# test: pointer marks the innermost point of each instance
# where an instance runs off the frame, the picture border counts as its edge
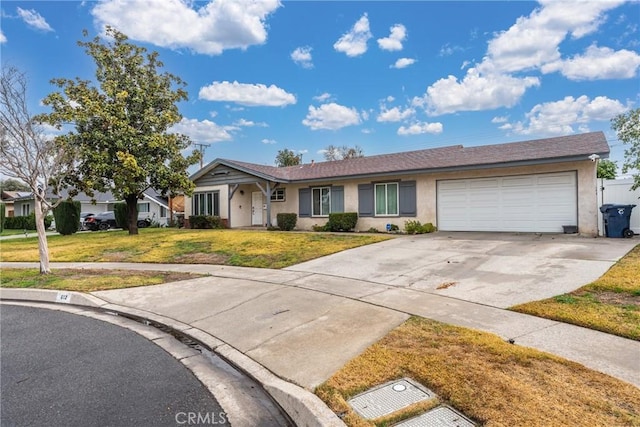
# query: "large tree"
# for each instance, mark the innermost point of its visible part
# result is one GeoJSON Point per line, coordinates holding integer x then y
{"type": "Point", "coordinates": [122, 127]}
{"type": "Point", "coordinates": [11, 184]}
{"type": "Point", "coordinates": [333, 152]}
{"type": "Point", "coordinates": [607, 169]}
{"type": "Point", "coordinates": [28, 154]}
{"type": "Point", "coordinates": [287, 157]}
{"type": "Point", "coordinates": [627, 126]}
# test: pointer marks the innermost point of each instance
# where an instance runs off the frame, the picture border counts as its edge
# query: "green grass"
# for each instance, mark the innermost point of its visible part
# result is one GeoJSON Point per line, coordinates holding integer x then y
{"type": "Point", "coordinates": [7, 232]}
{"type": "Point", "coordinates": [610, 304]}
{"type": "Point", "coordinates": [86, 280]}
{"type": "Point", "coordinates": [247, 248]}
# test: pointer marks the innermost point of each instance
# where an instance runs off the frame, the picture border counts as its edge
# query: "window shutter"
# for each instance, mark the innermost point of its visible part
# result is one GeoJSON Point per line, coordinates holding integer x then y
{"type": "Point", "coordinates": [337, 199]}
{"type": "Point", "coordinates": [304, 202]}
{"type": "Point", "coordinates": [407, 198]}
{"type": "Point", "coordinates": [365, 200]}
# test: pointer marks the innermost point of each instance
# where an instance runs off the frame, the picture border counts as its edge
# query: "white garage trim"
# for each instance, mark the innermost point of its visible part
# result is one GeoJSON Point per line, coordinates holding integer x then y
{"type": "Point", "coordinates": [528, 203]}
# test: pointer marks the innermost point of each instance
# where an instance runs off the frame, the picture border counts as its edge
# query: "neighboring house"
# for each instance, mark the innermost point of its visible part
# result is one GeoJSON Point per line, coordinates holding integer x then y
{"type": "Point", "coordinates": [530, 186]}
{"type": "Point", "coordinates": [8, 198]}
{"type": "Point", "coordinates": [153, 205]}
{"type": "Point", "coordinates": [618, 192]}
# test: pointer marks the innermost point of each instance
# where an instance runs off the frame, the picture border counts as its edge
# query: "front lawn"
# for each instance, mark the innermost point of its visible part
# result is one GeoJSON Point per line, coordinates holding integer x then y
{"type": "Point", "coordinates": [246, 248]}
{"type": "Point", "coordinates": [489, 380]}
{"type": "Point", "coordinates": [610, 304]}
{"type": "Point", "coordinates": [87, 280]}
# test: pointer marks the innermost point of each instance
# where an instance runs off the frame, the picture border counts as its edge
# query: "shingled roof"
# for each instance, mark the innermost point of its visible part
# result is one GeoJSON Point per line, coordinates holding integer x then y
{"type": "Point", "coordinates": [564, 148]}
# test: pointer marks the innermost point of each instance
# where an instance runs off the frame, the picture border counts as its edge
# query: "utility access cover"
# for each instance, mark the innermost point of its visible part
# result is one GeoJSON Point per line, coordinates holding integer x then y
{"type": "Point", "coordinates": [389, 398]}
{"type": "Point", "coordinates": [442, 416]}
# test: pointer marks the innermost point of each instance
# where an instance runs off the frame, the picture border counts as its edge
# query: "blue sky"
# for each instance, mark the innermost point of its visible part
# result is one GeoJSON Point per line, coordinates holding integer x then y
{"type": "Point", "coordinates": [387, 76]}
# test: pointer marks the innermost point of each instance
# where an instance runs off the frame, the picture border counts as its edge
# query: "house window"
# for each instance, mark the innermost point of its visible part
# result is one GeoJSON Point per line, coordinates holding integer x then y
{"type": "Point", "coordinates": [163, 212]}
{"type": "Point", "coordinates": [386, 199]}
{"type": "Point", "coordinates": [143, 207]}
{"type": "Point", "coordinates": [321, 201]}
{"type": "Point", "coordinates": [278, 195]}
{"type": "Point", "coordinates": [26, 209]}
{"type": "Point", "coordinates": [206, 203]}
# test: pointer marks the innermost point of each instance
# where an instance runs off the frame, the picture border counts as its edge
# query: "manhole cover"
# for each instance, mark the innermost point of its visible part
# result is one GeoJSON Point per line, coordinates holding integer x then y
{"type": "Point", "coordinates": [388, 398]}
{"type": "Point", "coordinates": [442, 416]}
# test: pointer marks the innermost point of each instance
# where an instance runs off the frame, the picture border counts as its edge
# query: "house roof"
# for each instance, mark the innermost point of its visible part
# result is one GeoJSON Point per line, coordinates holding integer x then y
{"type": "Point", "coordinates": [548, 150]}
{"type": "Point", "coordinates": [99, 197]}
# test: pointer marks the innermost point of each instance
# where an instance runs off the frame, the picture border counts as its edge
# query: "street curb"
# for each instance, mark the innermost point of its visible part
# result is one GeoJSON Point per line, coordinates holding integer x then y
{"type": "Point", "coordinates": [303, 407]}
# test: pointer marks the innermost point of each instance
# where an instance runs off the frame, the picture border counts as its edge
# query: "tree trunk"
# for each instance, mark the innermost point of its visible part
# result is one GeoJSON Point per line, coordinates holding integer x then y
{"type": "Point", "coordinates": [132, 213]}
{"type": "Point", "coordinates": [43, 247]}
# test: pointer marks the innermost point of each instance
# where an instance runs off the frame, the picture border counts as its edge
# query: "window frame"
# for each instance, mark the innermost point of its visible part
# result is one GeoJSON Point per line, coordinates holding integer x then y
{"type": "Point", "coordinates": [147, 204]}
{"type": "Point", "coordinates": [205, 203]}
{"type": "Point", "coordinates": [386, 195]}
{"type": "Point", "coordinates": [279, 195]}
{"type": "Point", "coordinates": [319, 190]}
{"type": "Point", "coordinates": [25, 209]}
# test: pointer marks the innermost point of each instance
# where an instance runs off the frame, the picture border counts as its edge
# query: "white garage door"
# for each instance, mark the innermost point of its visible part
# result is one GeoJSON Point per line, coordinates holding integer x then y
{"type": "Point", "coordinates": [531, 203]}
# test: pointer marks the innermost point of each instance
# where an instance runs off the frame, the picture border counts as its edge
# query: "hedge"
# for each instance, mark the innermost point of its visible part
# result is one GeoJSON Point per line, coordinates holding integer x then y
{"type": "Point", "coordinates": [67, 215]}
{"type": "Point", "coordinates": [345, 221]}
{"type": "Point", "coordinates": [120, 211]}
{"type": "Point", "coordinates": [206, 221]}
{"type": "Point", "coordinates": [25, 222]}
{"type": "Point", "coordinates": [2, 213]}
{"type": "Point", "coordinates": [287, 221]}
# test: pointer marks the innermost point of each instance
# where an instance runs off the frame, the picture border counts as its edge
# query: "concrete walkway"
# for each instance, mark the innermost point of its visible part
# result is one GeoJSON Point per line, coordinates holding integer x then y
{"type": "Point", "coordinates": [304, 326]}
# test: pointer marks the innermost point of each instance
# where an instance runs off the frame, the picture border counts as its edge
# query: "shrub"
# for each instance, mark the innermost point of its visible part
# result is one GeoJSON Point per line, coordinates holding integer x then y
{"type": "Point", "coordinates": [206, 222]}
{"type": "Point", "coordinates": [414, 227]}
{"type": "Point", "coordinates": [287, 221]}
{"type": "Point", "coordinates": [345, 221]}
{"type": "Point", "coordinates": [2, 213]}
{"type": "Point", "coordinates": [121, 213]}
{"type": "Point", "coordinates": [26, 222]}
{"type": "Point", "coordinates": [67, 216]}
{"type": "Point", "coordinates": [319, 228]}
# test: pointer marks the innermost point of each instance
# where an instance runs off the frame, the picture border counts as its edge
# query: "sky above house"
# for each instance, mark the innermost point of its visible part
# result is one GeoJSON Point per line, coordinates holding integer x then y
{"type": "Point", "coordinates": [388, 76]}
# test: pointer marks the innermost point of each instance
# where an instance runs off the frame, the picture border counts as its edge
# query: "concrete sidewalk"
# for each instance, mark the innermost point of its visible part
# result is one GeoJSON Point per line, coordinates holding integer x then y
{"type": "Point", "coordinates": [304, 326]}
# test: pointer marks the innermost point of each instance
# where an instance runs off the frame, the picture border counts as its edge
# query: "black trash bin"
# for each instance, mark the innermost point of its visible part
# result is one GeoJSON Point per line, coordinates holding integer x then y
{"type": "Point", "coordinates": [617, 220]}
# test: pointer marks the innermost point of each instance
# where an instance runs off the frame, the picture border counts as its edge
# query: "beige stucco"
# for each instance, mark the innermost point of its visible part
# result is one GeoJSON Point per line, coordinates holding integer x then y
{"type": "Point", "coordinates": [425, 196]}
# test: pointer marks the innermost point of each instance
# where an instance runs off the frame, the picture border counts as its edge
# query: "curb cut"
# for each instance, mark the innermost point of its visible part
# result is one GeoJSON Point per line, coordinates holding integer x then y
{"type": "Point", "coordinates": [302, 406]}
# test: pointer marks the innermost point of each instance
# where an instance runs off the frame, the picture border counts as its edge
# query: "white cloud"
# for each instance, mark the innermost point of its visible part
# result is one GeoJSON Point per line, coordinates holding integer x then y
{"type": "Point", "coordinates": [248, 123]}
{"type": "Point", "coordinates": [500, 119]}
{"type": "Point", "coordinates": [202, 131]}
{"type": "Point", "coordinates": [390, 98]}
{"type": "Point", "coordinates": [354, 42]}
{"type": "Point", "coordinates": [403, 63]}
{"type": "Point", "coordinates": [395, 39]}
{"type": "Point", "coordinates": [247, 94]}
{"type": "Point", "coordinates": [367, 131]}
{"type": "Point", "coordinates": [34, 19]}
{"type": "Point", "coordinates": [395, 114]}
{"type": "Point", "coordinates": [534, 40]}
{"type": "Point", "coordinates": [597, 63]}
{"type": "Point", "coordinates": [475, 92]}
{"type": "Point", "coordinates": [210, 29]}
{"type": "Point", "coordinates": [322, 98]}
{"type": "Point", "coordinates": [302, 56]}
{"type": "Point", "coordinates": [269, 141]}
{"type": "Point", "coordinates": [420, 128]}
{"type": "Point", "coordinates": [3, 38]}
{"type": "Point", "coordinates": [331, 116]}
{"type": "Point", "coordinates": [561, 117]}
{"type": "Point", "coordinates": [448, 50]}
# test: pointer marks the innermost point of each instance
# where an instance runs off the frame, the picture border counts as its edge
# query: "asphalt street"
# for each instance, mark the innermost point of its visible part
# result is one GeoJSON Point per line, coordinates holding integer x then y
{"type": "Point", "coordinates": [59, 369]}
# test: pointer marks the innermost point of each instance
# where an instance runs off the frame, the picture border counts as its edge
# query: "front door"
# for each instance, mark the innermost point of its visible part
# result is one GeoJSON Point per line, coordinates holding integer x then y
{"type": "Point", "coordinates": [256, 208]}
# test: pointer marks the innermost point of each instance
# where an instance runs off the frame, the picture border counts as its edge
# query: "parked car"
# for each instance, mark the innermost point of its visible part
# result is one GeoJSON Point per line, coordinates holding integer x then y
{"type": "Point", "coordinates": [101, 221]}
{"type": "Point", "coordinates": [83, 220]}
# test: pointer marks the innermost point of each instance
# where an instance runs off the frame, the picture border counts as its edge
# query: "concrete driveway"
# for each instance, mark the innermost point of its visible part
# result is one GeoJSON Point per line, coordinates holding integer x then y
{"type": "Point", "coordinates": [495, 269]}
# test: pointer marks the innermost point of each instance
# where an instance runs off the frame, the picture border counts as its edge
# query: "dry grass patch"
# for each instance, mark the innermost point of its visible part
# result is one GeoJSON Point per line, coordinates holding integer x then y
{"type": "Point", "coordinates": [492, 382]}
{"type": "Point", "coordinates": [247, 248]}
{"type": "Point", "coordinates": [87, 280]}
{"type": "Point", "coordinates": [610, 304]}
